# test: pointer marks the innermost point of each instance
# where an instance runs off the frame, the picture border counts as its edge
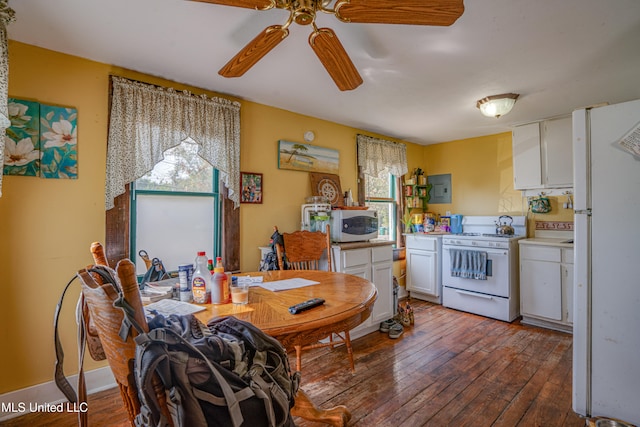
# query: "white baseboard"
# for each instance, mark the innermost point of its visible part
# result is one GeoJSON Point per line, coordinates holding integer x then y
{"type": "Point", "coordinates": [20, 402]}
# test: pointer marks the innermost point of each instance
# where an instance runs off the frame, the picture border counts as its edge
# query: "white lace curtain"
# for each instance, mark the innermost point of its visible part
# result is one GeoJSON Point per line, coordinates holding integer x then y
{"type": "Point", "coordinates": [377, 155]}
{"type": "Point", "coordinates": [147, 120]}
{"type": "Point", "coordinates": [7, 15]}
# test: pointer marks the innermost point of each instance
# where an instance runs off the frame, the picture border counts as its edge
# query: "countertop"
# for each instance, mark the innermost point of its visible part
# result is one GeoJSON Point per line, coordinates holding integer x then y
{"type": "Point", "coordinates": [365, 244]}
{"type": "Point", "coordinates": [428, 234]}
{"type": "Point", "coordinates": [547, 241]}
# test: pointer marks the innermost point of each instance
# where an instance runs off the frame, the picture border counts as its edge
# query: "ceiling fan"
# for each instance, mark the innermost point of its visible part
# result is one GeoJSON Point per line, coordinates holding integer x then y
{"type": "Point", "coordinates": [324, 41]}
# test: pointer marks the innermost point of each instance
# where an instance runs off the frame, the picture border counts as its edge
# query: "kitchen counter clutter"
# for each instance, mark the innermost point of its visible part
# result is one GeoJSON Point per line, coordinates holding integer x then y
{"type": "Point", "coordinates": [546, 282]}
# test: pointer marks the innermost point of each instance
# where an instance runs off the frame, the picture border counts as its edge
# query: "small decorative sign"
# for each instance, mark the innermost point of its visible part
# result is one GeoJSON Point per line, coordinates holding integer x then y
{"type": "Point", "coordinates": [631, 141]}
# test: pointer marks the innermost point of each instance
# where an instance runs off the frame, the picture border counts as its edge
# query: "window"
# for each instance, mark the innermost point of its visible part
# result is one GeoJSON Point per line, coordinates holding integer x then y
{"type": "Point", "coordinates": [175, 209]}
{"type": "Point", "coordinates": [380, 196]}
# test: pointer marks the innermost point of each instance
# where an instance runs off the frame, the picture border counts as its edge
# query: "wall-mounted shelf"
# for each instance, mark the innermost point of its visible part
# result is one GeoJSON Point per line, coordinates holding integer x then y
{"type": "Point", "coordinates": [416, 196]}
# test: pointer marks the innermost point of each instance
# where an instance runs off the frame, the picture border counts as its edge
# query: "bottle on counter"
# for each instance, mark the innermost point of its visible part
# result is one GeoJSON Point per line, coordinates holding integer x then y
{"type": "Point", "coordinates": [219, 284]}
{"type": "Point", "coordinates": [201, 280]}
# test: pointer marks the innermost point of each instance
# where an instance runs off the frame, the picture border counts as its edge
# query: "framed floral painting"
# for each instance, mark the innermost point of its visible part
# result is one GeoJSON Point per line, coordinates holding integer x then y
{"type": "Point", "coordinates": [41, 141]}
{"type": "Point", "coordinates": [58, 142]}
{"type": "Point", "coordinates": [22, 139]}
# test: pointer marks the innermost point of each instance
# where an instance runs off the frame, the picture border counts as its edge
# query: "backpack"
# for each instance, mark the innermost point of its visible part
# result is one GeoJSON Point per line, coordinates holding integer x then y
{"type": "Point", "coordinates": [270, 260]}
{"type": "Point", "coordinates": [226, 373]}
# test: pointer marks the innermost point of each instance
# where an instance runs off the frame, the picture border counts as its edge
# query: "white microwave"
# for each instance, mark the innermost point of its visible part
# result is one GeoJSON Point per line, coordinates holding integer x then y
{"type": "Point", "coordinates": [351, 225]}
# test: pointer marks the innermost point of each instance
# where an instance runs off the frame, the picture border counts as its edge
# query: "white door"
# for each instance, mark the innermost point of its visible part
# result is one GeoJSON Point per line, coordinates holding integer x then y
{"type": "Point", "coordinates": [526, 157]}
{"type": "Point", "coordinates": [422, 271]}
{"type": "Point", "coordinates": [615, 245]}
{"type": "Point", "coordinates": [540, 289]}
{"type": "Point", "coordinates": [382, 278]}
{"type": "Point", "coordinates": [558, 152]}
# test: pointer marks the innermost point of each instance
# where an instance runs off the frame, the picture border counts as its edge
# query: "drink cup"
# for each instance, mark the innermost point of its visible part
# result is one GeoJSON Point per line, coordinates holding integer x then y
{"type": "Point", "coordinates": [240, 292]}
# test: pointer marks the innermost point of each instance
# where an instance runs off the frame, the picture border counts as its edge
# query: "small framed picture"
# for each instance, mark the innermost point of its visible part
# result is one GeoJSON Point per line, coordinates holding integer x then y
{"type": "Point", "coordinates": [251, 187]}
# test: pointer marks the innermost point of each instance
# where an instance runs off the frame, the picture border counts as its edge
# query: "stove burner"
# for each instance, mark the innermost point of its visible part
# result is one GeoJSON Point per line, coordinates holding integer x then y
{"type": "Point", "coordinates": [506, 236]}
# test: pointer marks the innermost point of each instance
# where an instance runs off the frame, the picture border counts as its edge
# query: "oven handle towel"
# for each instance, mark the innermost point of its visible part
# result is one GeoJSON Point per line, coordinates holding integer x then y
{"type": "Point", "coordinates": [468, 264]}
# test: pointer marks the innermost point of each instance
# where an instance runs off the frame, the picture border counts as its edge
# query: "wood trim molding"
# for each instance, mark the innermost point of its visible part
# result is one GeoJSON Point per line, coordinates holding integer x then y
{"type": "Point", "coordinates": [117, 229]}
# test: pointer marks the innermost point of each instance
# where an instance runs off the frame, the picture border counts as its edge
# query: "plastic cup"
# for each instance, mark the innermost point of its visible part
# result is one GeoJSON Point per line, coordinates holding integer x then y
{"type": "Point", "coordinates": [240, 293]}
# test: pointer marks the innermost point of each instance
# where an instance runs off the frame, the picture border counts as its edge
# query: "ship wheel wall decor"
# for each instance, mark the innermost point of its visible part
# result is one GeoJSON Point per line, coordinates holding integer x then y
{"type": "Point", "coordinates": [328, 186]}
{"type": "Point", "coordinates": [324, 41]}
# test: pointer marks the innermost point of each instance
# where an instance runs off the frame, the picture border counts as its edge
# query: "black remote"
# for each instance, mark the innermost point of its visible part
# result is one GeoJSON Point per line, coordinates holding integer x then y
{"type": "Point", "coordinates": [313, 302]}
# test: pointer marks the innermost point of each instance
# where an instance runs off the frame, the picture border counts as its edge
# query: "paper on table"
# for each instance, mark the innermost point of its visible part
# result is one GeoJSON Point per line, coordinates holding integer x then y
{"type": "Point", "coordinates": [283, 285]}
{"type": "Point", "coordinates": [170, 306]}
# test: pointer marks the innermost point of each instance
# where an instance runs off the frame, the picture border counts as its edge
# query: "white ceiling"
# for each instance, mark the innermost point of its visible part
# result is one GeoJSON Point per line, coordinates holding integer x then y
{"type": "Point", "coordinates": [420, 83]}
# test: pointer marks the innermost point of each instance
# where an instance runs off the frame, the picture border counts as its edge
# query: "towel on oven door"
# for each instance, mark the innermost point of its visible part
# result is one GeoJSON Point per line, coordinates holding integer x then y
{"type": "Point", "coordinates": [468, 264]}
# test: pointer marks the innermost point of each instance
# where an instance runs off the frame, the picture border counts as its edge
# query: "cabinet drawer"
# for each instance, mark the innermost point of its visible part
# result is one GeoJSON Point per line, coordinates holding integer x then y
{"type": "Point", "coordinates": [424, 243]}
{"type": "Point", "coordinates": [484, 305]}
{"type": "Point", "coordinates": [567, 256]}
{"type": "Point", "coordinates": [382, 253]}
{"type": "Point", "coordinates": [540, 253]}
{"type": "Point", "coordinates": [356, 257]}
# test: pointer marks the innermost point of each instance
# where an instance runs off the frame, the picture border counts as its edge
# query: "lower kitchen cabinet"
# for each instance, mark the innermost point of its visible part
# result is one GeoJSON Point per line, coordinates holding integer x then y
{"type": "Point", "coordinates": [546, 286]}
{"type": "Point", "coordinates": [374, 262]}
{"type": "Point", "coordinates": [424, 276]}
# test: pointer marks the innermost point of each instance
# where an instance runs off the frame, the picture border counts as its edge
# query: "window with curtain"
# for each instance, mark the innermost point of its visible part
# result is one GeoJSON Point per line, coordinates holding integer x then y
{"type": "Point", "coordinates": [145, 122]}
{"type": "Point", "coordinates": [381, 164]}
{"type": "Point", "coordinates": [179, 197]}
{"type": "Point", "coordinates": [380, 195]}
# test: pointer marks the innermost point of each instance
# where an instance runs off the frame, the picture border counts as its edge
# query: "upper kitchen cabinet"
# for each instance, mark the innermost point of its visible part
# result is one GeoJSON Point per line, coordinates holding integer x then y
{"type": "Point", "coordinates": [542, 155]}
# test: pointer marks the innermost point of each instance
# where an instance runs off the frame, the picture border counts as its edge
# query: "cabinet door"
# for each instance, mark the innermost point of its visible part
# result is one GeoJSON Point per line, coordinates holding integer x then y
{"type": "Point", "coordinates": [382, 278]}
{"type": "Point", "coordinates": [567, 290]}
{"type": "Point", "coordinates": [527, 157]}
{"type": "Point", "coordinates": [540, 289]}
{"type": "Point", "coordinates": [422, 271]}
{"type": "Point", "coordinates": [363, 271]}
{"type": "Point", "coordinates": [558, 149]}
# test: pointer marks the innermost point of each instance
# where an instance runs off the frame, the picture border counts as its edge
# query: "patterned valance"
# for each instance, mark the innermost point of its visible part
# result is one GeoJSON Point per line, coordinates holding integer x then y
{"type": "Point", "coordinates": [147, 120]}
{"type": "Point", "coordinates": [7, 15]}
{"type": "Point", "coordinates": [377, 155]}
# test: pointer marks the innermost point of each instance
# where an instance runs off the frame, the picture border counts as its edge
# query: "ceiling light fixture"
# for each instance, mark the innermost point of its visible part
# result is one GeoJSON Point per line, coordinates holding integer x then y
{"type": "Point", "coordinates": [497, 105]}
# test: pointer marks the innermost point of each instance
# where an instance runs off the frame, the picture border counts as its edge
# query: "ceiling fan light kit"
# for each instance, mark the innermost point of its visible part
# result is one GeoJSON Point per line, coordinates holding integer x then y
{"type": "Point", "coordinates": [497, 105]}
{"type": "Point", "coordinates": [324, 41]}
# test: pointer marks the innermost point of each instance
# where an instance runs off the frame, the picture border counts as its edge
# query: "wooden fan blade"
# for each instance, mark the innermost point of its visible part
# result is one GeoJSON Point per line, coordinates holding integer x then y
{"type": "Point", "coordinates": [249, 4]}
{"type": "Point", "coordinates": [329, 50]}
{"type": "Point", "coordinates": [411, 12]}
{"type": "Point", "coordinates": [264, 42]}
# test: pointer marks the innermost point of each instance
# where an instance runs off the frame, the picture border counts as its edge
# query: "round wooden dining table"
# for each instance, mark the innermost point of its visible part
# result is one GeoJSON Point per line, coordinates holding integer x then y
{"type": "Point", "coordinates": [348, 302]}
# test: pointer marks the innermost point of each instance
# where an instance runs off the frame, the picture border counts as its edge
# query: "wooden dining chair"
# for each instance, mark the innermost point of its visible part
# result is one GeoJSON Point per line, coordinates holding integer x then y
{"type": "Point", "coordinates": [107, 319]}
{"type": "Point", "coordinates": [303, 250]}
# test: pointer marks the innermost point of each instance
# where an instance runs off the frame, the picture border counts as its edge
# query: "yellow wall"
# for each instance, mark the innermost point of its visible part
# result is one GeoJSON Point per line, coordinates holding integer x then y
{"type": "Point", "coordinates": [47, 226]}
{"type": "Point", "coordinates": [481, 175]}
{"type": "Point", "coordinates": [481, 171]}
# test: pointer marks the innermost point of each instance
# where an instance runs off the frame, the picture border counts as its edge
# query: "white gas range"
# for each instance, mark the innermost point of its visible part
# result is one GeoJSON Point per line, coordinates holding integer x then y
{"type": "Point", "coordinates": [480, 267]}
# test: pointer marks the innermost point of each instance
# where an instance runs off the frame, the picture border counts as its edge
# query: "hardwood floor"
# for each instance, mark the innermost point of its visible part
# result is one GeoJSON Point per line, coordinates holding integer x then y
{"type": "Point", "coordinates": [450, 368]}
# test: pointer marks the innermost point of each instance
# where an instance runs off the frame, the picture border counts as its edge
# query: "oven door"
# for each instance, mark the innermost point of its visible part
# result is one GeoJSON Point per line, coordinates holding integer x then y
{"type": "Point", "coordinates": [497, 282]}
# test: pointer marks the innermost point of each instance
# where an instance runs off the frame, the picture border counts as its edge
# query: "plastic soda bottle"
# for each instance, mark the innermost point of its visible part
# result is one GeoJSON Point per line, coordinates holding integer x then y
{"type": "Point", "coordinates": [201, 280]}
{"type": "Point", "coordinates": [219, 286]}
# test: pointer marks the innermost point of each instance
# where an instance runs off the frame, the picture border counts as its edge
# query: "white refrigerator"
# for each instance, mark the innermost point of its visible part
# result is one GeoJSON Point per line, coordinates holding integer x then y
{"type": "Point", "coordinates": [606, 328]}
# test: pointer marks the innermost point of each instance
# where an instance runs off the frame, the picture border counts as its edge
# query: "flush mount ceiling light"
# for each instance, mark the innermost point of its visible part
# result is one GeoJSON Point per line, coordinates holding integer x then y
{"type": "Point", "coordinates": [497, 105]}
